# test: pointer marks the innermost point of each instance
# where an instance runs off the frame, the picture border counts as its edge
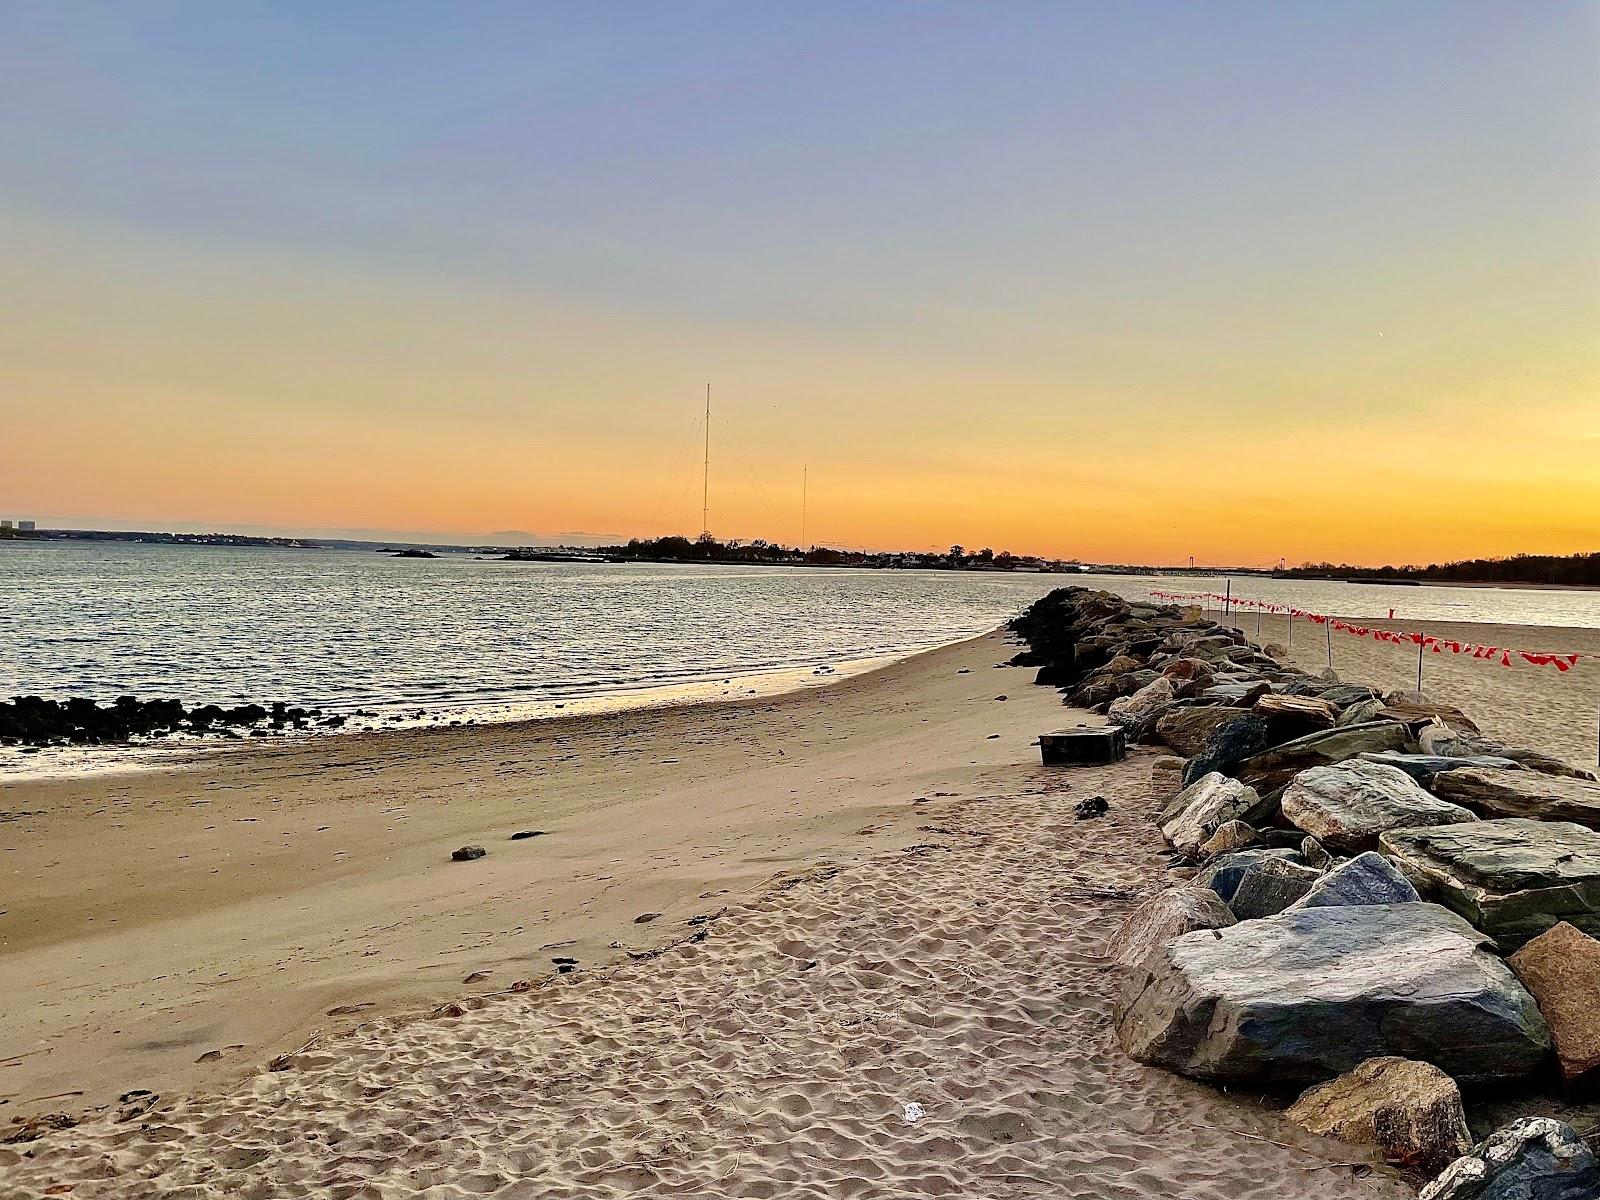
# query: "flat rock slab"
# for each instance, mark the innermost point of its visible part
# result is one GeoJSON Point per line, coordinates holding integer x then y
{"type": "Point", "coordinates": [1425, 768]}
{"type": "Point", "coordinates": [1187, 729]}
{"type": "Point", "coordinates": [1561, 970]}
{"type": "Point", "coordinates": [1417, 713]}
{"type": "Point", "coordinates": [1310, 994]}
{"type": "Point", "coordinates": [1274, 768]}
{"type": "Point", "coordinates": [1519, 793]}
{"type": "Point", "coordinates": [1224, 873]}
{"type": "Point", "coordinates": [1270, 886]}
{"type": "Point", "coordinates": [1347, 805]}
{"type": "Point", "coordinates": [1512, 878]}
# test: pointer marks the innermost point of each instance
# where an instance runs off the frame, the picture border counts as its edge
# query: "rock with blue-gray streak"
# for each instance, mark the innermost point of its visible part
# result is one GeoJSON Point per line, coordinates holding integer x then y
{"type": "Point", "coordinates": [1307, 995]}
{"type": "Point", "coordinates": [1368, 878]}
{"type": "Point", "coordinates": [1534, 1158]}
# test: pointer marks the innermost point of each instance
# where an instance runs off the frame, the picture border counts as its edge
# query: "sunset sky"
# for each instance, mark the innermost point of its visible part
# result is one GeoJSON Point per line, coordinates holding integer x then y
{"type": "Point", "coordinates": [1121, 281]}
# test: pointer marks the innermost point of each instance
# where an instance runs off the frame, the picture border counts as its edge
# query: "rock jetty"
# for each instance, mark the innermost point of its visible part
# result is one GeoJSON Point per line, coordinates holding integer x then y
{"type": "Point", "coordinates": [1353, 870]}
{"type": "Point", "coordinates": [35, 721]}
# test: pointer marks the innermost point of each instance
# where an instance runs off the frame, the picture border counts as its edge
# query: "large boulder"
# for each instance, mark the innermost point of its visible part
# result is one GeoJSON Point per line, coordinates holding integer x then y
{"type": "Point", "coordinates": [1188, 729]}
{"type": "Point", "coordinates": [1410, 1110]}
{"type": "Point", "coordinates": [1534, 1158]}
{"type": "Point", "coordinates": [1346, 806]}
{"type": "Point", "coordinates": [1520, 793]}
{"type": "Point", "coordinates": [1415, 709]}
{"type": "Point", "coordinates": [1166, 915]}
{"type": "Point", "coordinates": [1270, 886]}
{"type": "Point", "coordinates": [1362, 712]}
{"type": "Point", "coordinates": [1368, 878]}
{"type": "Point", "coordinates": [1307, 995]}
{"type": "Point", "coordinates": [1561, 970]}
{"type": "Point", "coordinates": [1203, 807]}
{"type": "Point", "coordinates": [1224, 873]}
{"type": "Point", "coordinates": [1230, 836]}
{"type": "Point", "coordinates": [1229, 745]}
{"type": "Point", "coordinates": [1440, 739]}
{"type": "Point", "coordinates": [1512, 878]}
{"type": "Point", "coordinates": [1274, 768]}
{"type": "Point", "coordinates": [1138, 713]}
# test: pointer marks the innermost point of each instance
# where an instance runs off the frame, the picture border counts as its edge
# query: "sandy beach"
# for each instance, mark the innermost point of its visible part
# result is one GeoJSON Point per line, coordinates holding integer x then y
{"type": "Point", "coordinates": [869, 900]}
{"type": "Point", "coordinates": [791, 917]}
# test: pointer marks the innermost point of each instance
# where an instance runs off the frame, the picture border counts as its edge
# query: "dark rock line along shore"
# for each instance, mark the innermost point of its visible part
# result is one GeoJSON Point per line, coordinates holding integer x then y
{"type": "Point", "coordinates": [1372, 899]}
{"type": "Point", "coordinates": [34, 721]}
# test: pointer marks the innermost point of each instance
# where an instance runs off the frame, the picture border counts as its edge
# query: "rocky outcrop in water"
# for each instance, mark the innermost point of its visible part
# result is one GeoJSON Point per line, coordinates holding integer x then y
{"type": "Point", "coordinates": [34, 721]}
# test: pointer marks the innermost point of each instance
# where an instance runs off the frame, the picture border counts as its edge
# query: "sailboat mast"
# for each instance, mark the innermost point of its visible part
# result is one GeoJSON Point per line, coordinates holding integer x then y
{"type": "Point", "coordinates": [705, 478]}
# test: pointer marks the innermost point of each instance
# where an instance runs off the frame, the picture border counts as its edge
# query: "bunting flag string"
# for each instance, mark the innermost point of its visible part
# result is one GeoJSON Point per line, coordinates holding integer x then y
{"type": "Point", "coordinates": [1505, 655]}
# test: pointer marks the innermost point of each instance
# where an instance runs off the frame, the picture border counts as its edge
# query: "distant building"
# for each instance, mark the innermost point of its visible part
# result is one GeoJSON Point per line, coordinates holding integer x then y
{"type": "Point", "coordinates": [26, 526]}
{"type": "Point", "coordinates": [5, 524]}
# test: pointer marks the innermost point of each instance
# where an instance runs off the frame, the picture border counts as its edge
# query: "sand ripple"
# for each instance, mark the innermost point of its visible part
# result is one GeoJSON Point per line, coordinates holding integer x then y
{"type": "Point", "coordinates": [776, 1057]}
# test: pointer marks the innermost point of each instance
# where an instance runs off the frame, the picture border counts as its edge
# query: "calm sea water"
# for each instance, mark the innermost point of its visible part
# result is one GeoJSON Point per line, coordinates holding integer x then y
{"type": "Point", "coordinates": [459, 638]}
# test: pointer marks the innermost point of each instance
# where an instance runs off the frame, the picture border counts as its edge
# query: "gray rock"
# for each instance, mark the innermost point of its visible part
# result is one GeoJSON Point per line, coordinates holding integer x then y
{"type": "Point", "coordinates": [1236, 695]}
{"type": "Point", "coordinates": [1139, 712]}
{"type": "Point", "coordinates": [1275, 767]}
{"type": "Point", "coordinates": [1270, 886]}
{"type": "Point", "coordinates": [1315, 853]}
{"type": "Point", "coordinates": [1438, 739]}
{"type": "Point", "coordinates": [1228, 746]}
{"type": "Point", "coordinates": [1513, 878]}
{"type": "Point", "coordinates": [1230, 836]}
{"type": "Point", "coordinates": [1534, 1158]}
{"type": "Point", "coordinates": [1347, 805]}
{"type": "Point", "coordinates": [1362, 712]}
{"type": "Point", "coordinates": [1187, 730]}
{"type": "Point", "coordinates": [468, 853]}
{"type": "Point", "coordinates": [1166, 915]}
{"type": "Point", "coordinates": [1425, 768]}
{"type": "Point", "coordinates": [1307, 995]}
{"type": "Point", "coordinates": [1518, 793]}
{"type": "Point", "coordinates": [1367, 878]}
{"type": "Point", "coordinates": [1223, 873]}
{"type": "Point", "coordinates": [1203, 807]}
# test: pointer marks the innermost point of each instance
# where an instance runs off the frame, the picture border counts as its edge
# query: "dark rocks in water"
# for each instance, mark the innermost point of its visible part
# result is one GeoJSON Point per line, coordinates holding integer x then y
{"type": "Point", "coordinates": [1513, 878]}
{"type": "Point", "coordinates": [1368, 878]}
{"type": "Point", "coordinates": [413, 554]}
{"type": "Point", "coordinates": [1534, 1158]}
{"type": "Point", "coordinates": [1090, 808]}
{"type": "Point", "coordinates": [467, 853]}
{"type": "Point", "coordinates": [35, 721]}
{"type": "Point", "coordinates": [1306, 995]}
{"type": "Point", "coordinates": [523, 834]}
{"type": "Point", "coordinates": [1270, 886]}
{"type": "Point", "coordinates": [1347, 805]}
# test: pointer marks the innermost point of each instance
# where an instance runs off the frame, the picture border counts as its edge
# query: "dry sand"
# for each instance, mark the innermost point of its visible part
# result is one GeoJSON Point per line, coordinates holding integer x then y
{"type": "Point", "coordinates": [1557, 712]}
{"type": "Point", "coordinates": [933, 937]}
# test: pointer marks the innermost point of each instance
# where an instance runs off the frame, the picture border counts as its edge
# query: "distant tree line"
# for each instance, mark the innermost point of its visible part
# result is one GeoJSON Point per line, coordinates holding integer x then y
{"type": "Point", "coordinates": [1572, 570]}
{"type": "Point", "coordinates": [707, 548]}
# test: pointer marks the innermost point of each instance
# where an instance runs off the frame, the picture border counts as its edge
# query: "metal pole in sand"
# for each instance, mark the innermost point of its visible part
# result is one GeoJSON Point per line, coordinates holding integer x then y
{"type": "Point", "coordinates": [1419, 666]}
{"type": "Point", "coordinates": [1227, 599]}
{"type": "Point", "coordinates": [1258, 625]}
{"type": "Point", "coordinates": [1329, 623]}
{"type": "Point", "coordinates": [1290, 619]}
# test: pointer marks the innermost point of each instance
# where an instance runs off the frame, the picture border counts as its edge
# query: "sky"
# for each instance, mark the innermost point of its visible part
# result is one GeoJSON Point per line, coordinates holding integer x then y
{"type": "Point", "coordinates": [1122, 282]}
